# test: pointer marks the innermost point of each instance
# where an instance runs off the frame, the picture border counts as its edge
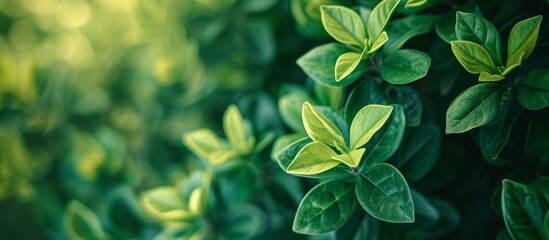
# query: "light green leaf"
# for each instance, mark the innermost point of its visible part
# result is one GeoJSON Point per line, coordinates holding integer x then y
{"type": "Point", "coordinates": [351, 159]}
{"type": "Point", "coordinates": [404, 66]}
{"type": "Point", "coordinates": [346, 64]}
{"type": "Point", "coordinates": [473, 57]}
{"type": "Point", "coordinates": [474, 107]}
{"type": "Point", "coordinates": [235, 130]}
{"type": "Point", "coordinates": [165, 204]}
{"type": "Point", "coordinates": [319, 128]}
{"type": "Point", "coordinates": [533, 90]}
{"type": "Point", "coordinates": [378, 43]}
{"type": "Point", "coordinates": [367, 122]}
{"type": "Point", "coordinates": [343, 24]}
{"type": "Point", "coordinates": [287, 154]}
{"type": "Point", "coordinates": [488, 77]}
{"type": "Point", "coordinates": [523, 211]}
{"type": "Point", "coordinates": [81, 223]}
{"type": "Point", "coordinates": [328, 96]}
{"type": "Point", "coordinates": [325, 208]}
{"type": "Point", "coordinates": [414, 3]}
{"type": "Point", "coordinates": [319, 64]}
{"type": "Point", "coordinates": [470, 27]}
{"type": "Point", "coordinates": [207, 145]}
{"type": "Point", "coordinates": [402, 30]}
{"type": "Point", "coordinates": [367, 92]}
{"type": "Point", "coordinates": [522, 40]}
{"type": "Point", "coordinates": [387, 140]}
{"type": "Point", "coordinates": [379, 17]}
{"type": "Point", "coordinates": [313, 158]}
{"type": "Point", "coordinates": [383, 192]}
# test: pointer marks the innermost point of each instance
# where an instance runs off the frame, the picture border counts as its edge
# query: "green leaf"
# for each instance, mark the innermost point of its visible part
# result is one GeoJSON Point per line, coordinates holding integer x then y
{"type": "Point", "coordinates": [523, 211]}
{"type": "Point", "coordinates": [383, 38]}
{"type": "Point", "coordinates": [404, 66]}
{"type": "Point", "coordinates": [328, 96]}
{"type": "Point", "coordinates": [533, 90]}
{"type": "Point", "coordinates": [546, 223]}
{"type": "Point", "coordinates": [537, 140]}
{"type": "Point", "coordinates": [402, 30]}
{"type": "Point", "coordinates": [346, 64]}
{"type": "Point", "coordinates": [325, 208]}
{"type": "Point", "coordinates": [379, 17]}
{"type": "Point", "coordinates": [81, 223]}
{"type": "Point", "coordinates": [488, 77]}
{"type": "Point", "coordinates": [522, 40]}
{"type": "Point", "coordinates": [473, 57]}
{"type": "Point", "coordinates": [207, 145]}
{"type": "Point", "coordinates": [337, 119]}
{"type": "Point", "coordinates": [319, 128]}
{"type": "Point", "coordinates": [474, 107]}
{"type": "Point", "coordinates": [471, 27]}
{"type": "Point", "coordinates": [242, 222]}
{"type": "Point", "coordinates": [289, 107]}
{"type": "Point", "coordinates": [319, 64]}
{"type": "Point", "coordinates": [383, 192]}
{"type": "Point", "coordinates": [493, 136]}
{"type": "Point", "coordinates": [165, 204]}
{"type": "Point", "coordinates": [367, 122]}
{"type": "Point", "coordinates": [419, 152]}
{"type": "Point", "coordinates": [313, 158]}
{"type": "Point", "coordinates": [367, 92]}
{"type": "Point", "coordinates": [351, 159]}
{"type": "Point", "coordinates": [415, 3]}
{"type": "Point", "coordinates": [286, 155]}
{"type": "Point", "coordinates": [387, 140]}
{"type": "Point", "coordinates": [343, 24]}
{"type": "Point", "coordinates": [410, 100]}
{"type": "Point", "coordinates": [235, 130]}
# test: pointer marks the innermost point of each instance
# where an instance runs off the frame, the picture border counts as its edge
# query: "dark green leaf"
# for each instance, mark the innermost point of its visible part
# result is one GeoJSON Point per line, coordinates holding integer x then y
{"type": "Point", "coordinates": [533, 90]}
{"type": "Point", "coordinates": [242, 222]}
{"type": "Point", "coordinates": [471, 27]}
{"type": "Point", "coordinates": [287, 154]}
{"type": "Point", "coordinates": [81, 223]}
{"type": "Point", "coordinates": [474, 107]}
{"type": "Point", "coordinates": [419, 152]}
{"type": "Point", "coordinates": [383, 192]}
{"type": "Point", "coordinates": [410, 100]}
{"type": "Point", "coordinates": [325, 208]}
{"type": "Point", "coordinates": [404, 29]}
{"type": "Point", "coordinates": [367, 92]}
{"type": "Point", "coordinates": [537, 141]}
{"type": "Point", "coordinates": [494, 135]}
{"type": "Point", "coordinates": [404, 66]}
{"type": "Point", "coordinates": [523, 211]}
{"type": "Point", "coordinates": [319, 64]}
{"type": "Point", "coordinates": [328, 96]}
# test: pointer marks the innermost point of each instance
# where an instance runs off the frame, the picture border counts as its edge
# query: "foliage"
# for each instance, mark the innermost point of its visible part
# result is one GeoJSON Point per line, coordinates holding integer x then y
{"type": "Point", "coordinates": [274, 119]}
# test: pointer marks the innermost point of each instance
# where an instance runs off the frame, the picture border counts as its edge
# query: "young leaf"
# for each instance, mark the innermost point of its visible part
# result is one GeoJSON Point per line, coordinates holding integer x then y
{"type": "Point", "coordinates": [387, 140]}
{"type": "Point", "coordinates": [471, 27]}
{"type": "Point", "coordinates": [351, 159]}
{"type": "Point", "coordinates": [346, 64]}
{"type": "Point", "coordinates": [474, 107]}
{"type": "Point", "coordinates": [207, 145]}
{"type": "Point", "coordinates": [286, 155]}
{"type": "Point", "coordinates": [493, 136]}
{"type": "Point", "coordinates": [81, 223]}
{"type": "Point", "coordinates": [383, 38]}
{"type": "Point", "coordinates": [522, 40]}
{"type": "Point", "coordinates": [165, 204]}
{"type": "Point", "coordinates": [337, 119]}
{"type": "Point", "coordinates": [235, 130]}
{"type": "Point", "coordinates": [367, 122]}
{"type": "Point", "coordinates": [319, 64]}
{"type": "Point", "coordinates": [414, 3]}
{"type": "Point", "coordinates": [523, 211]}
{"type": "Point", "coordinates": [313, 158]}
{"type": "Point", "coordinates": [325, 208]}
{"type": "Point", "coordinates": [533, 90]}
{"type": "Point", "coordinates": [473, 57]}
{"type": "Point", "coordinates": [343, 24]}
{"type": "Point", "coordinates": [379, 17]}
{"type": "Point", "coordinates": [319, 128]}
{"type": "Point", "coordinates": [404, 66]}
{"type": "Point", "coordinates": [383, 192]}
{"type": "Point", "coordinates": [488, 77]}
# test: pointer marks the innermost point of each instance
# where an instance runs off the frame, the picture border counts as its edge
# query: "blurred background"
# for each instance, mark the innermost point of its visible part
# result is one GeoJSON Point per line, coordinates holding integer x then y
{"type": "Point", "coordinates": [95, 94]}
